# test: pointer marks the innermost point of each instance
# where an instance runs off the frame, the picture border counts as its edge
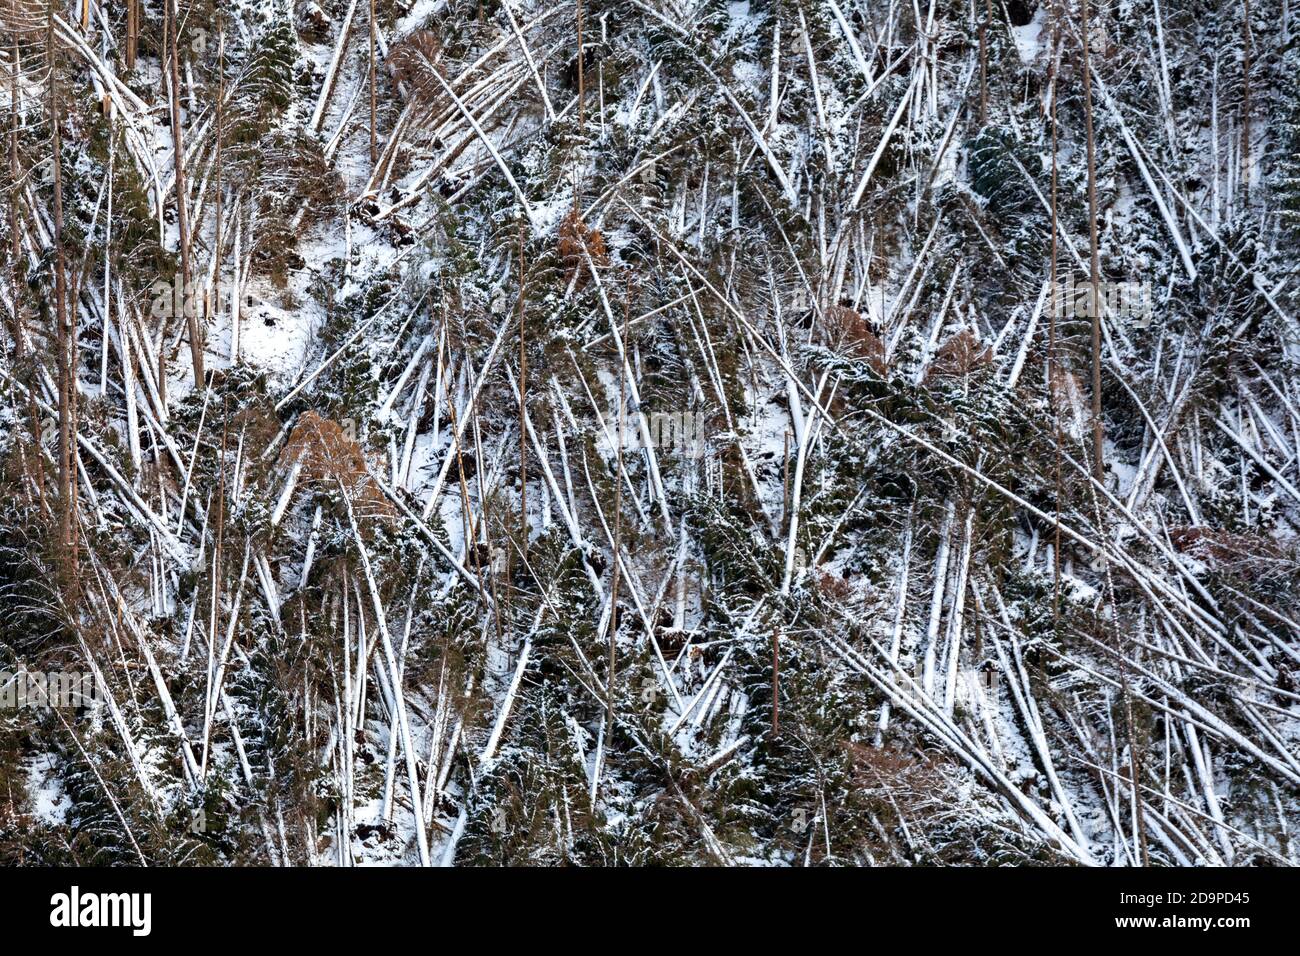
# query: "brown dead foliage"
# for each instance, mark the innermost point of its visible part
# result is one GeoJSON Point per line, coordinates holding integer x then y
{"type": "Point", "coordinates": [23, 20]}
{"type": "Point", "coordinates": [847, 330]}
{"type": "Point", "coordinates": [887, 764]}
{"type": "Point", "coordinates": [301, 191]}
{"type": "Point", "coordinates": [413, 61]}
{"type": "Point", "coordinates": [1224, 547]}
{"type": "Point", "coordinates": [257, 423]}
{"type": "Point", "coordinates": [912, 783]}
{"type": "Point", "coordinates": [959, 356]}
{"type": "Point", "coordinates": [331, 459]}
{"type": "Point", "coordinates": [834, 586]}
{"type": "Point", "coordinates": [574, 238]}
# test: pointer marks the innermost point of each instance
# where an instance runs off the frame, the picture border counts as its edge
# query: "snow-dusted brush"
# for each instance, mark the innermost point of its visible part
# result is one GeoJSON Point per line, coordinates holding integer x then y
{"type": "Point", "coordinates": [650, 432]}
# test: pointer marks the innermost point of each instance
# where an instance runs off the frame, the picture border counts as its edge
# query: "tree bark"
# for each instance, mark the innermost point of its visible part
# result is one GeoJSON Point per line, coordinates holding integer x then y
{"type": "Point", "coordinates": [182, 212]}
{"type": "Point", "coordinates": [132, 32]}
{"type": "Point", "coordinates": [1247, 41]}
{"type": "Point", "coordinates": [581, 85]}
{"type": "Point", "coordinates": [1094, 277]}
{"type": "Point", "coordinates": [523, 398]}
{"type": "Point", "coordinates": [63, 337]}
{"type": "Point", "coordinates": [374, 153]}
{"type": "Point", "coordinates": [17, 330]}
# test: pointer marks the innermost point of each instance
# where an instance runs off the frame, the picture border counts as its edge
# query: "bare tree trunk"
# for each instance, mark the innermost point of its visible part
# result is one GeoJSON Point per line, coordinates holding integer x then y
{"type": "Point", "coordinates": [1247, 41]}
{"type": "Point", "coordinates": [523, 399]}
{"type": "Point", "coordinates": [132, 32]}
{"type": "Point", "coordinates": [1098, 434]}
{"type": "Point", "coordinates": [984, 87]}
{"type": "Point", "coordinates": [776, 682]}
{"type": "Point", "coordinates": [785, 480]}
{"type": "Point", "coordinates": [1094, 278]}
{"type": "Point", "coordinates": [63, 338]}
{"type": "Point", "coordinates": [219, 547]}
{"type": "Point", "coordinates": [581, 85]}
{"type": "Point", "coordinates": [618, 528]}
{"type": "Point", "coordinates": [182, 212]}
{"type": "Point", "coordinates": [15, 257]}
{"type": "Point", "coordinates": [374, 153]}
{"type": "Point", "coordinates": [220, 124]}
{"type": "Point", "coordinates": [1058, 301]}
